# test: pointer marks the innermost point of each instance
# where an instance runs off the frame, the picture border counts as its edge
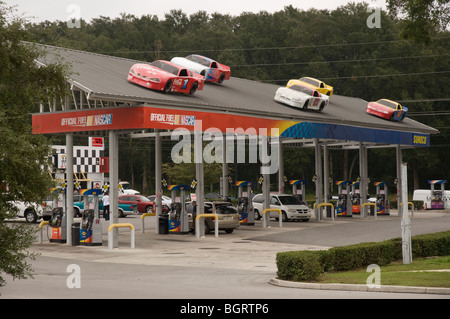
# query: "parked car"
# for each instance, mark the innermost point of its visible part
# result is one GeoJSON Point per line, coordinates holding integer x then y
{"type": "Point", "coordinates": [301, 97]}
{"type": "Point", "coordinates": [165, 199]}
{"type": "Point", "coordinates": [126, 189]}
{"type": "Point", "coordinates": [144, 205]}
{"type": "Point", "coordinates": [165, 76]}
{"type": "Point", "coordinates": [227, 214]}
{"type": "Point", "coordinates": [212, 70]}
{"type": "Point", "coordinates": [387, 109]}
{"type": "Point", "coordinates": [291, 207]}
{"type": "Point", "coordinates": [124, 209]}
{"type": "Point", "coordinates": [314, 84]}
{"type": "Point", "coordinates": [32, 211]}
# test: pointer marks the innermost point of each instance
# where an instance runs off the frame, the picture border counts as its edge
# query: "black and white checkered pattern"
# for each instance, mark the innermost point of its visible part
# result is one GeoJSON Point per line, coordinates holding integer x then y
{"type": "Point", "coordinates": [86, 159]}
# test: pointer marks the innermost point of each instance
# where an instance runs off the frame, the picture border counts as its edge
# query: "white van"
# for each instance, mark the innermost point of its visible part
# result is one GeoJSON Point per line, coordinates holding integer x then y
{"type": "Point", "coordinates": [291, 207]}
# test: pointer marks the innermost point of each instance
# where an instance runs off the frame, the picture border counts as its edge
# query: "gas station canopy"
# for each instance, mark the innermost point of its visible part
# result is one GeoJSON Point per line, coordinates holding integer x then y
{"type": "Point", "coordinates": [103, 99]}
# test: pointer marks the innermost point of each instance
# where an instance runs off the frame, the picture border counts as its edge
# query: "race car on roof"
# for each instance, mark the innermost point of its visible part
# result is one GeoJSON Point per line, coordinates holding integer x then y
{"type": "Point", "coordinates": [387, 109]}
{"type": "Point", "coordinates": [314, 84]}
{"type": "Point", "coordinates": [165, 76]}
{"type": "Point", "coordinates": [212, 70]}
{"type": "Point", "coordinates": [301, 97]}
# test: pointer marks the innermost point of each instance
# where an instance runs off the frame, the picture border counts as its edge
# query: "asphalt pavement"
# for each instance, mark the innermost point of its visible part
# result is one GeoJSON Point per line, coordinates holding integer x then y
{"type": "Point", "coordinates": [241, 264]}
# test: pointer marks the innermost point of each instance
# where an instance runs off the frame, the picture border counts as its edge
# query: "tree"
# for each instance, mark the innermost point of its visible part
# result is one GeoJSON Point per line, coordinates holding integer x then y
{"type": "Point", "coordinates": [23, 85]}
{"type": "Point", "coordinates": [422, 18]}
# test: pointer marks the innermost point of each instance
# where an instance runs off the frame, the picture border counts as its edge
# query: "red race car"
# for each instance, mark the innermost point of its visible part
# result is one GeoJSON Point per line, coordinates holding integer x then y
{"type": "Point", "coordinates": [165, 76]}
{"type": "Point", "coordinates": [387, 109]}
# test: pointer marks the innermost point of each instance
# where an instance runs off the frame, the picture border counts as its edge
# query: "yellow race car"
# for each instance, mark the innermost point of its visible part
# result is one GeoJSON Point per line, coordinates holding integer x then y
{"type": "Point", "coordinates": [314, 84]}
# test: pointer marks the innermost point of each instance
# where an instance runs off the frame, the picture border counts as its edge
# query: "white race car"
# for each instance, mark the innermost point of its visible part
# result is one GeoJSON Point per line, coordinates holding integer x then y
{"type": "Point", "coordinates": [211, 70]}
{"type": "Point", "coordinates": [301, 97]}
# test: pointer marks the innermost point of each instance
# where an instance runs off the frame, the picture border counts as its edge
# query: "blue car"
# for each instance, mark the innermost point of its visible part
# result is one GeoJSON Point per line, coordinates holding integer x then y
{"type": "Point", "coordinates": [124, 209]}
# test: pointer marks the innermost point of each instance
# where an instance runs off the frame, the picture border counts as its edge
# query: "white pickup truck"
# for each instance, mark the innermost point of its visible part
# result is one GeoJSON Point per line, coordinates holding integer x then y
{"type": "Point", "coordinates": [32, 211]}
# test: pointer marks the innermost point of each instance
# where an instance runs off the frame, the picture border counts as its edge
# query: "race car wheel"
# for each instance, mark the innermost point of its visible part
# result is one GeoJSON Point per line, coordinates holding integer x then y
{"type": "Point", "coordinates": [168, 86]}
{"type": "Point", "coordinates": [322, 105]}
{"type": "Point", "coordinates": [221, 78]}
{"type": "Point", "coordinates": [193, 88]}
{"type": "Point", "coordinates": [305, 106]}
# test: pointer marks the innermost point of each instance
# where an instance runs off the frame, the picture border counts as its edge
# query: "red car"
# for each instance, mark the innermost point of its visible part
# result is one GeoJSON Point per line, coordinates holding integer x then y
{"type": "Point", "coordinates": [212, 70]}
{"type": "Point", "coordinates": [165, 76]}
{"type": "Point", "coordinates": [387, 109]}
{"type": "Point", "coordinates": [144, 205]}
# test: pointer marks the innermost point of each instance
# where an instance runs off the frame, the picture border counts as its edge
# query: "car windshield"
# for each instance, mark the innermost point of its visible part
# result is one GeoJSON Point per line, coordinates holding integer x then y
{"type": "Point", "coordinates": [198, 59]}
{"type": "Point", "coordinates": [289, 200]}
{"type": "Point", "coordinates": [302, 89]}
{"type": "Point", "coordinates": [310, 81]}
{"type": "Point", "coordinates": [166, 67]}
{"type": "Point", "coordinates": [143, 199]}
{"type": "Point", "coordinates": [387, 103]}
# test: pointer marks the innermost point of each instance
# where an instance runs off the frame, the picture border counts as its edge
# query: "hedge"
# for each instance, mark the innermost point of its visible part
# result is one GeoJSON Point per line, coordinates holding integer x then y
{"type": "Point", "coordinates": [309, 265]}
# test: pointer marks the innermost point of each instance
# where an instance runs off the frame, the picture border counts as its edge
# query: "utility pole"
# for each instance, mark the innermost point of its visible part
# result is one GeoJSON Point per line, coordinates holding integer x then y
{"type": "Point", "coordinates": [406, 223]}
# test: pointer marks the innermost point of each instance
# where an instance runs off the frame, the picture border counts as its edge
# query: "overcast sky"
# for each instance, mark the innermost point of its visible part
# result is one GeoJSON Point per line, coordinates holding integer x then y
{"type": "Point", "coordinates": [40, 10]}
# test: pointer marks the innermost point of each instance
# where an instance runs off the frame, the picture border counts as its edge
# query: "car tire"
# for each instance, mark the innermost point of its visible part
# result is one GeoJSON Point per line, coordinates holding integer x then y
{"type": "Point", "coordinates": [148, 209]}
{"type": "Point", "coordinates": [221, 78]}
{"type": "Point", "coordinates": [322, 106]}
{"type": "Point", "coordinates": [284, 217]}
{"type": "Point", "coordinates": [257, 214]}
{"type": "Point", "coordinates": [76, 212]}
{"type": "Point", "coordinates": [305, 106]}
{"type": "Point", "coordinates": [167, 86]}
{"type": "Point", "coordinates": [121, 214]}
{"type": "Point", "coordinates": [193, 88]}
{"type": "Point", "coordinates": [30, 216]}
{"type": "Point", "coordinates": [229, 230]}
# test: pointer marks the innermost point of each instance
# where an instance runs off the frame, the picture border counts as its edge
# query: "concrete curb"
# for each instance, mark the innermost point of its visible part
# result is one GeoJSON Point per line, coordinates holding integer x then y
{"type": "Point", "coordinates": [324, 286]}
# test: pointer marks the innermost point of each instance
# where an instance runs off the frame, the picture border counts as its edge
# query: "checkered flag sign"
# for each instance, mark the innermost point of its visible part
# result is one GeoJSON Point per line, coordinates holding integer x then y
{"type": "Point", "coordinates": [105, 188]}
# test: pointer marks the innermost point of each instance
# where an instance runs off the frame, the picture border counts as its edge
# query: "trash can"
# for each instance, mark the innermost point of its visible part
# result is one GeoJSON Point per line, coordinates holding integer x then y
{"type": "Point", "coordinates": [163, 224]}
{"type": "Point", "coordinates": [75, 234]}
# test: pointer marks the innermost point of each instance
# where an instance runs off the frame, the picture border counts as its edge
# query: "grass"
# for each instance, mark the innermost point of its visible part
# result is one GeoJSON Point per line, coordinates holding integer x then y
{"type": "Point", "coordinates": [397, 274]}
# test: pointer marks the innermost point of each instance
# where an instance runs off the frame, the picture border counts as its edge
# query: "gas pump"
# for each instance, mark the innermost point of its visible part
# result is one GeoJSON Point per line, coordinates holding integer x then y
{"type": "Point", "coordinates": [299, 193]}
{"type": "Point", "coordinates": [91, 226]}
{"type": "Point", "coordinates": [344, 203]}
{"type": "Point", "coordinates": [245, 206]}
{"type": "Point", "coordinates": [382, 201]}
{"type": "Point", "coordinates": [179, 222]}
{"type": "Point", "coordinates": [58, 225]}
{"type": "Point", "coordinates": [356, 198]}
{"type": "Point", "coordinates": [437, 196]}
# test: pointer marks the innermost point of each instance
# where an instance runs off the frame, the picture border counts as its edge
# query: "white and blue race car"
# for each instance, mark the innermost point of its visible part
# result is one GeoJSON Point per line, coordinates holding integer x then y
{"type": "Point", "coordinates": [211, 70]}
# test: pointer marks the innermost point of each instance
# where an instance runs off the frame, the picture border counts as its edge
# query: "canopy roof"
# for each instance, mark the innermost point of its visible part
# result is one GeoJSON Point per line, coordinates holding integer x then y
{"type": "Point", "coordinates": [104, 78]}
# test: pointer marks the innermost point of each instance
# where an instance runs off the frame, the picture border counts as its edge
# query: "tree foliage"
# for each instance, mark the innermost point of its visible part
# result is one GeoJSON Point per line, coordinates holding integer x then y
{"type": "Point", "coordinates": [422, 18]}
{"type": "Point", "coordinates": [23, 156]}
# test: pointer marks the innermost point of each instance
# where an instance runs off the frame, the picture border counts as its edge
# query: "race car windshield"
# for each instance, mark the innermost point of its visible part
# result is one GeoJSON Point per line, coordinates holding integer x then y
{"type": "Point", "coordinates": [310, 81]}
{"type": "Point", "coordinates": [302, 89]}
{"type": "Point", "coordinates": [196, 58]}
{"type": "Point", "coordinates": [387, 103]}
{"type": "Point", "coordinates": [166, 67]}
